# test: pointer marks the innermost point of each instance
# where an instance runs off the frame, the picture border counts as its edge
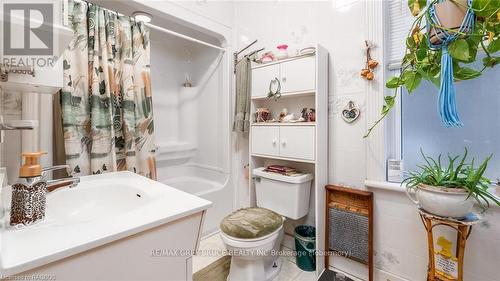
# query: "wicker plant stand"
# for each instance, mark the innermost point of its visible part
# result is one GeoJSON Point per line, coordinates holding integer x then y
{"type": "Point", "coordinates": [463, 228]}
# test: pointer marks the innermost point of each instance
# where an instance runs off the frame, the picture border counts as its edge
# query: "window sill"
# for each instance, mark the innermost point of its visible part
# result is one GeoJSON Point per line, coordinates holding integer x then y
{"type": "Point", "coordinates": [393, 186]}
{"type": "Point", "coordinates": [397, 187]}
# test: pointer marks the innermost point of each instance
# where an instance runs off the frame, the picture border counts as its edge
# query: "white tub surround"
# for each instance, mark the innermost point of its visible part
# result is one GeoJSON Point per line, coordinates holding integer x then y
{"type": "Point", "coordinates": [192, 123]}
{"type": "Point", "coordinates": [121, 213]}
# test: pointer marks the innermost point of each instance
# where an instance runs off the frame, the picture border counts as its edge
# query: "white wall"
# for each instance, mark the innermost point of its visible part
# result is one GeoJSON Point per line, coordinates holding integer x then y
{"type": "Point", "coordinates": [220, 12]}
{"type": "Point", "coordinates": [341, 27]}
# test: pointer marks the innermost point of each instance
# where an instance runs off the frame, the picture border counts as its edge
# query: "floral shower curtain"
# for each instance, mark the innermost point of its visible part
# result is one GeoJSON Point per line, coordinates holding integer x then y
{"type": "Point", "coordinates": [106, 99]}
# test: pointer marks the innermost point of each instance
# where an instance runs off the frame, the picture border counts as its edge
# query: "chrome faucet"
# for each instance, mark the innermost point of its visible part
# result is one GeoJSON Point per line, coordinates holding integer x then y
{"type": "Point", "coordinates": [58, 183]}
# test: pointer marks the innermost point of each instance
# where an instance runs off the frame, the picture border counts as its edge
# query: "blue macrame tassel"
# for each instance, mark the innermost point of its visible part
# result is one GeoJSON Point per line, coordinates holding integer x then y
{"type": "Point", "coordinates": [447, 104]}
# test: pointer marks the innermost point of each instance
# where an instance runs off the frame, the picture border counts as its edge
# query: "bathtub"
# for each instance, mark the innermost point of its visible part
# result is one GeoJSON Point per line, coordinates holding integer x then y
{"type": "Point", "coordinates": [209, 183]}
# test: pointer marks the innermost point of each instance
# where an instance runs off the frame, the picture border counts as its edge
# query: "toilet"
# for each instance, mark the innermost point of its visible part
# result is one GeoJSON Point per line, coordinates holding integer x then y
{"type": "Point", "coordinates": [253, 236]}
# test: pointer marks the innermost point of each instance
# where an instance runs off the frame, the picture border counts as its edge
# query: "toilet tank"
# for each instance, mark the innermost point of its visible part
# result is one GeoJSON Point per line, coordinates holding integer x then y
{"type": "Point", "coordinates": [286, 195]}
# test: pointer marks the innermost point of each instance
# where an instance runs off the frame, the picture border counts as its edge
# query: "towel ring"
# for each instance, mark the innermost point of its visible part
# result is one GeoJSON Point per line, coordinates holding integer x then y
{"type": "Point", "coordinates": [274, 94]}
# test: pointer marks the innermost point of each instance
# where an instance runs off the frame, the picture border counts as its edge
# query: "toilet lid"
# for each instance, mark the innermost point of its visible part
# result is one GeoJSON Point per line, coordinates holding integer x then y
{"type": "Point", "coordinates": [251, 223]}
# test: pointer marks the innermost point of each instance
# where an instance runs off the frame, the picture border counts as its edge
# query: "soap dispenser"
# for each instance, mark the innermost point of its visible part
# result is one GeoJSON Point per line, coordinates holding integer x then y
{"type": "Point", "coordinates": [29, 192]}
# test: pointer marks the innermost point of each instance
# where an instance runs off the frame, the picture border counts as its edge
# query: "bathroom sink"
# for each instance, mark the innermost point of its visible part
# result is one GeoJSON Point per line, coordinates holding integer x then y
{"type": "Point", "coordinates": [96, 200]}
{"type": "Point", "coordinates": [100, 210]}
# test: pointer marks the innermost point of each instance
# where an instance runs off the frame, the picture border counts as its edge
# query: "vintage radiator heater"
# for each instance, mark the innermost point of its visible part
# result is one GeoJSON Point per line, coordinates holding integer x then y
{"type": "Point", "coordinates": [349, 225]}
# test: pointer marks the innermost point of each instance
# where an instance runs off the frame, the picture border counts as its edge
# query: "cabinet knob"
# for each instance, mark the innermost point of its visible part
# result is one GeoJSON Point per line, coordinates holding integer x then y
{"type": "Point", "coordinates": [283, 142]}
{"type": "Point", "coordinates": [284, 79]}
{"type": "Point", "coordinates": [275, 141]}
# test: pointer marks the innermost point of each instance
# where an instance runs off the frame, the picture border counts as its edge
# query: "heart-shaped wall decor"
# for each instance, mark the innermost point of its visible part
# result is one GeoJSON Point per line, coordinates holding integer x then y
{"type": "Point", "coordinates": [350, 113]}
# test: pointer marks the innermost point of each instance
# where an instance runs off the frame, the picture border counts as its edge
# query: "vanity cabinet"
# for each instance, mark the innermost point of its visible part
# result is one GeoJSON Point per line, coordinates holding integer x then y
{"type": "Point", "coordinates": [293, 75]}
{"type": "Point", "coordinates": [303, 82]}
{"type": "Point", "coordinates": [295, 142]}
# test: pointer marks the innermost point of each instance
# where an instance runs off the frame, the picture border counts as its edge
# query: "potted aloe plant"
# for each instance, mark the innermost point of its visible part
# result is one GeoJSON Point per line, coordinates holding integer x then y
{"type": "Point", "coordinates": [450, 190]}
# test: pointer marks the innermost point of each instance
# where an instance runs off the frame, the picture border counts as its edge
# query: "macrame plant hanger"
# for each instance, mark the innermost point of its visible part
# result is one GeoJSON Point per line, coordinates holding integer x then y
{"type": "Point", "coordinates": [447, 106]}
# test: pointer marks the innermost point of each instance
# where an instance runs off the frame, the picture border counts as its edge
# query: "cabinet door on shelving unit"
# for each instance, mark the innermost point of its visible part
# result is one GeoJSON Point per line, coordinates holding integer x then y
{"type": "Point", "coordinates": [265, 140]}
{"type": "Point", "coordinates": [262, 77]}
{"type": "Point", "coordinates": [298, 75]}
{"type": "Point", "coordinates": [297, 142]}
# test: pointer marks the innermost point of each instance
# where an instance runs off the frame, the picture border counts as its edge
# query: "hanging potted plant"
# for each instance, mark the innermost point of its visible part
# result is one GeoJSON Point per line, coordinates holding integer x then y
{"type": "Point", "coordinates": [451, 190]}
{"type": "Point", "coordinates": [448, 16]}
{"type": "Point", "coordinates": [444, 39]}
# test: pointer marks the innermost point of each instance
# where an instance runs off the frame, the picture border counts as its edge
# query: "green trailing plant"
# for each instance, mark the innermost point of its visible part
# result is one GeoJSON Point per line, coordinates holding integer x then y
{"type": "Point", "coordinates": [458, 173]}
{"type": "Point", "coordinates": [420, 62]}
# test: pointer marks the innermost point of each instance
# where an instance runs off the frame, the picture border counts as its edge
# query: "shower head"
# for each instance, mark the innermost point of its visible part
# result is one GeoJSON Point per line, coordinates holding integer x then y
{"type": "Point", "coordinates": [142, 16]}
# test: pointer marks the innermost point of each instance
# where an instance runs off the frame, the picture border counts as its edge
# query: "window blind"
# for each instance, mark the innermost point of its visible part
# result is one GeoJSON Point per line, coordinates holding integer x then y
{"type": "Point", "coordinates": [400, 21]}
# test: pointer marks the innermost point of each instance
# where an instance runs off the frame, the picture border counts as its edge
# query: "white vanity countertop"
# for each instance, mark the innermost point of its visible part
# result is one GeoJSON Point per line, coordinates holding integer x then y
{"type": "Point", "coordinates": [101, 209]}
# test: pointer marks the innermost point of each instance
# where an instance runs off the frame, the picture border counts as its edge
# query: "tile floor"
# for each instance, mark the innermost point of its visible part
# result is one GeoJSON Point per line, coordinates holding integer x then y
{"type": "Point", "coordinates": [212, 248]}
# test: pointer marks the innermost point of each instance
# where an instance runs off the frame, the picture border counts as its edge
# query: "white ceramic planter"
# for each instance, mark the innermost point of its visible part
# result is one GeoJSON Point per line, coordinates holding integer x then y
{"type": "Point", "coordinates": [448, 202]}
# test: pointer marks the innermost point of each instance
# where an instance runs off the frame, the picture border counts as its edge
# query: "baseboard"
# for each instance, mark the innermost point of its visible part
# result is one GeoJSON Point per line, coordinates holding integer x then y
{"type": "Point", "coordinates": [379, 275]}
{"type": "Point", "coordinates": [386, 276]}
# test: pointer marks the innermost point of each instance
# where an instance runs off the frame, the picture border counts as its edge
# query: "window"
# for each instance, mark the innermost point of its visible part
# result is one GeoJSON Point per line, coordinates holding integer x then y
{"type": "Point", "coordinates": [415, 123]}
{"type": "Point", "coordinates": [478, 103]}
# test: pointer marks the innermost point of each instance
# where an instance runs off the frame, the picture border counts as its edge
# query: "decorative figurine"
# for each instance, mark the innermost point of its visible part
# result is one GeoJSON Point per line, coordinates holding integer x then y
{"type": "Point", "coordinates": [305, 116]}
{"type": "Point", "coordinates": [312, 115]}
{"type": "Point", "coordinates": [283, 113]}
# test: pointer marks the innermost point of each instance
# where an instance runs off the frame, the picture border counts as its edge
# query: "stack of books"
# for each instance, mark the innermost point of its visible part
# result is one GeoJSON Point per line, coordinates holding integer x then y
{"type": "Point", "coordinates": [282, 170]}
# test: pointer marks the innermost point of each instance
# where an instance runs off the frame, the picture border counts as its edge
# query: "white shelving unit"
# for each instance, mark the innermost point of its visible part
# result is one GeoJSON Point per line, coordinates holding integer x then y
{"type": "Point", "coordinates": [292, 94]}
{"type": "Point", "coordinates": [286, 124]}
{"type": "Point", "coordinates": [304, 145]}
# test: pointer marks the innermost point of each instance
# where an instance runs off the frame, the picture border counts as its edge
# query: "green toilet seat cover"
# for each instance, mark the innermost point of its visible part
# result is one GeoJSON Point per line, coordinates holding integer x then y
{"type": "Point", "coordinates": [251, 223]}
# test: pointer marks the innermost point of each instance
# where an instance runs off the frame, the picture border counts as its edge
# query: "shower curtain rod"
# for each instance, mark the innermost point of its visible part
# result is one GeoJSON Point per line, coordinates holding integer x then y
{"type": "Point", "coordinates": [159, 28]}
